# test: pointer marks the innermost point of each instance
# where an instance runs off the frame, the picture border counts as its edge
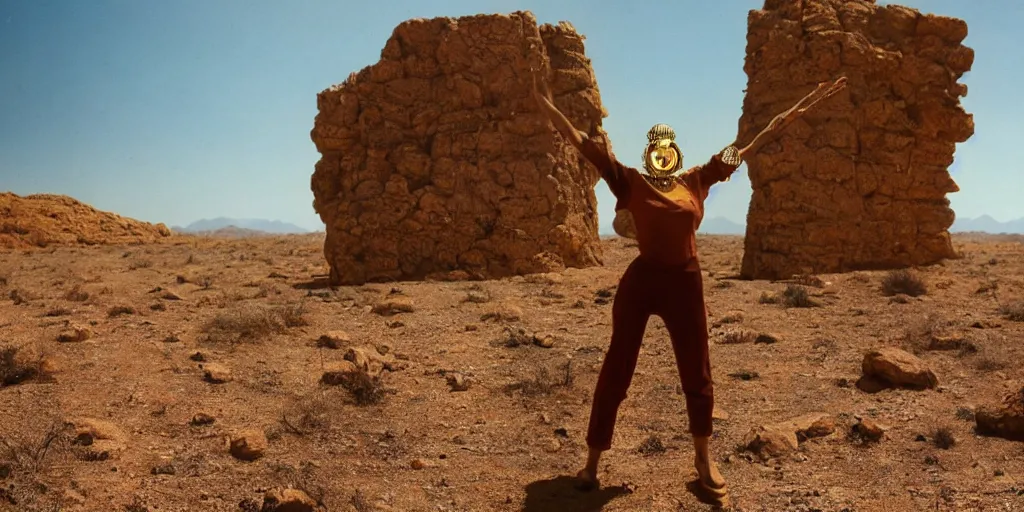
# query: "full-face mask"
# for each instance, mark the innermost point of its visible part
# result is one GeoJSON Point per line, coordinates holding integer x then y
{"type": "Point", "coordinates": [662, 156]}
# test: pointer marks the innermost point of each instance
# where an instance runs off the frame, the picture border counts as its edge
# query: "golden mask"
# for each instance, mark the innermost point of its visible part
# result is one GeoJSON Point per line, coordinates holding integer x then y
{"type": "Point", "coordinates": [662, 156]}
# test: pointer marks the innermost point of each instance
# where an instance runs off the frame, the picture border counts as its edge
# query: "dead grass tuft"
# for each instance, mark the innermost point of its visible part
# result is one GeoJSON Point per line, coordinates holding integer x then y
{"type": "Point", "coordinates": [15, 369]}
{"type": "Point", "coordinates": [254, 322]}
{"type": "Point", "coordinates": [651, 446]}
{"type": "Point", "coordinates": [544, 381]}
{"type": "Point", "coordinates": [310, 413]}
{"type": "Point", "coordinates": [1013, 312]}
{"type": "Point", "coordinates": [58, 311]}
{"type": "Point", "coordinates": [739, 336]}
{"type": "Point", "coordinates": [76, 294]}
{"type": "Point", "coordinates": [29, 453]}
{"type": "Point", "coordinates": [796, 296]}
{"type": "Point", "coordinates": [988, 364]}
{"type": "Point", "coordinates": [117, 311]}
{"type": "Point", "coordinates": [19, 296]}
{"type": "Point", "coordinates": [943, 438]}
{"type": "Point", "coordinates": [137, 264]}
{"type": "Point", "coordinates": [360, 502]}
{"type": "Point", "coordinates": [903, 281]}
{"type": "Point", "coordinates": [365, 389]}
{"type": "Point", "coordinates": [293, 315]}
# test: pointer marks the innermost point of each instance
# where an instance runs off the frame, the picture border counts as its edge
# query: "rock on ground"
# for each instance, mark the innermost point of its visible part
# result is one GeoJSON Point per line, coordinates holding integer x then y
{"type": "Point", "coordinates": [891, 367]}
{"type": "Point", "coordinates": [287, 500]}
{"type": "Point", "coordinates": [861, 180]}
{"type": "Point", "coordinates": [1004, 420]}
{"type": "Point", "coordinates": [437, 159]}
{"type": "Point", "coordinates": [784, 437]}
{"type": "Point", "coordinates": [248, 445]}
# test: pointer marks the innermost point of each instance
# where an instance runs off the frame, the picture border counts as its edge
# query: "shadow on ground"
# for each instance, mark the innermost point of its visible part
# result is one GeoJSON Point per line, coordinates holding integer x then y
{"type": "Point", "coordinates": [559, 494]}
{"type": "Point", "coordinates": [317, 283]}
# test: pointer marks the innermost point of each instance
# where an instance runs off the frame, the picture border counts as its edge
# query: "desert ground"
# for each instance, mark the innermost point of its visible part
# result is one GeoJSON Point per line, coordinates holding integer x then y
{"type": "Point", "coordinates": [201, 373]}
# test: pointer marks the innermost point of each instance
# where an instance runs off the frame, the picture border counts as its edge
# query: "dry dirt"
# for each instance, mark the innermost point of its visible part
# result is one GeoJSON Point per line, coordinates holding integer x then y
{"type": "Point", "coordinates": [136, 394]}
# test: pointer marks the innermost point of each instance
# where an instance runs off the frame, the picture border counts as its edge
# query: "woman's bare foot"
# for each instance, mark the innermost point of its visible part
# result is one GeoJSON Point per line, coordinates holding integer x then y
{"type": "Point", "coordinates": [709, 475]}
{"type": "Point", "coordinates": [586, 480]}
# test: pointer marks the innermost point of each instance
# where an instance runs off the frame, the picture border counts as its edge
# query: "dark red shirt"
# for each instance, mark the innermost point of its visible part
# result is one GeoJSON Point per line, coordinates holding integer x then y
{"type": "Point", "coordinates": [666, 224]}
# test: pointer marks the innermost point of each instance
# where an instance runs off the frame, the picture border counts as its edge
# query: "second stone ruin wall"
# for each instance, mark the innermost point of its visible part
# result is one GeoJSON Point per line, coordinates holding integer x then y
{"type": "Point", "coordinates": [861, 181]}
{"type": "Point", "coordinates": [436, 160]}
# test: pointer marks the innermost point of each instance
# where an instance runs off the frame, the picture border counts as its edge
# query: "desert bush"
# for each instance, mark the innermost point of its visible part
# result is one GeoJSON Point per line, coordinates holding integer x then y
{"type": "Point", "coordinates": [14, 369]}
{"type": "Point", "coordinates": [117, 311]}
{"type": "Point", "coordinates": [651, 446]}
{"type": "Point", "coordinates": [309, 413]}
{"type": "Point", "coordinates": [293, 315]}
{"type": "Point", "coordinates": [28, 452]}
{"type": "Point", "coordinates": [137, 264]}
{"type": "Point", "coordinates": [768, 298]}
{"type": "Point", "coordinates": [206, 282]}
{"type": "Point", "coordinates": [739, 336]}
{"type": "Point", "coordinates": [365, 389]}
{"type": "Point", "coordinates": [76, 294]}
{"type": "Point", "coordinates": [543, 381]}
{"type": "Point", "coordinates": [903, 281]}
{"type": "Point", "coordinates": [796, 296]}
{"type": "Point", "coordinates": [1013, 311]}
{"type": "Point", "coordinates": [254, 322]}
{"type": "Point", "coordinates": [943, 438]}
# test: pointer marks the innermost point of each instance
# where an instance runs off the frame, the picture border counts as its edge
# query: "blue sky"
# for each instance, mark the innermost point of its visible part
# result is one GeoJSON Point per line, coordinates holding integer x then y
{"type": "Point", "coordinates": [186, 109]}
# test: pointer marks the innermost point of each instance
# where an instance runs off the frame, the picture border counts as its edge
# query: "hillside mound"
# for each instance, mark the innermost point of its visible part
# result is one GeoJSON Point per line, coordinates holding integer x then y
{"type": "Point", "coordinates": [40, 220]}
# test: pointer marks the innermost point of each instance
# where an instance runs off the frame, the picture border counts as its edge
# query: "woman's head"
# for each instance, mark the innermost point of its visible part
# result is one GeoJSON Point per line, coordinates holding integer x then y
{"type": "Point", "coordinates": [662, 156]}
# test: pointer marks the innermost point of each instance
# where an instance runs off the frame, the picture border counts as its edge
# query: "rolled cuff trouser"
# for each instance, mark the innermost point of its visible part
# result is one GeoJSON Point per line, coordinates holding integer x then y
{"type": "Point", "coordinates": [677, 296]}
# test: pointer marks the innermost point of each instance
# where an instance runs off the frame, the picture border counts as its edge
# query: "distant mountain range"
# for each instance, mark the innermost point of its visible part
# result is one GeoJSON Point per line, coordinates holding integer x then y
{"type": "Point", "coordinates": [983, 224]}
{"type": "Point", "coordinates": [986, 224]}
{"type": "Point", "coordinates": [721, 226]}
{"type": "Point", "coordinates": [711, 226]}
{"type": "Point", "coordinates": [275, 227]}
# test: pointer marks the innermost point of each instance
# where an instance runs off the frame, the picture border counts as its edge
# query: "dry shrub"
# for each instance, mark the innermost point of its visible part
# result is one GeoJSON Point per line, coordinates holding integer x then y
{"type": "Point", "coordinates": [29, 449]}
{"type": "Point", "coordinates": [137, 264]}
{"type": "Point", "coordinates": [918, 335]}
{"type": "Point", "coordinates": [360, 502]}
{"type": "Point", "coordinates": [796, 296]}
{"type": "Point", "coordinates": [76, 294]}
{"type": "Point", "coordinates": [544, 381]}
{"type": "Point", "coordinates": [943, 438]}
{"type": "Point", "coordinates": [294, 315]}
{"type": "Point", "coordinates": [768, 298]}
{"type": "Point", "coordinates": [58, 311]}
{"type": "Point", "coordinates": [988, 364]}
{"type": "Point", "coordinates": [249, 323]}
{"type": "Point", "coordinates": [739, 336]}
{"type": "Point", "coordinates": [19, 296]}
{"type": "Point", "coordinates": [1013, 312]}
{"type": "Point", "coordinates": [903, 281]}
{"type": "Point", "coordinates": [117, 311]}
{"type": "Point", "coordinates": [365, 389]}
{"type": "Point", "coordinates": [651, 446]}
{"type": "Point", "coordinates": [310, 413]}
{"type": "Point", "coordinates": [15, 369]}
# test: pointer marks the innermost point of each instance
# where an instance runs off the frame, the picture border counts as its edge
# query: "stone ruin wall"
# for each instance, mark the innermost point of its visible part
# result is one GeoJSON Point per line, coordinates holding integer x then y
{"type": "Point", "coordinates": [436, 162]}
{"type": "Point", "coordinates": [861, 181]}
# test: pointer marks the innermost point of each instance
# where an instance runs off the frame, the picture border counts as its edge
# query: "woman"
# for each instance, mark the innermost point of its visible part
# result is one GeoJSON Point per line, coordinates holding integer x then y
{"type": "Point", "coordinates": [665, 279]}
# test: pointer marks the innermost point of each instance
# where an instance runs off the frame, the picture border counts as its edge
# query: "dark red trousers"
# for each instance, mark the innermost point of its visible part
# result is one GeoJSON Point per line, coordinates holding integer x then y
{"type": "Point", "coordinates": [677, 296]}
